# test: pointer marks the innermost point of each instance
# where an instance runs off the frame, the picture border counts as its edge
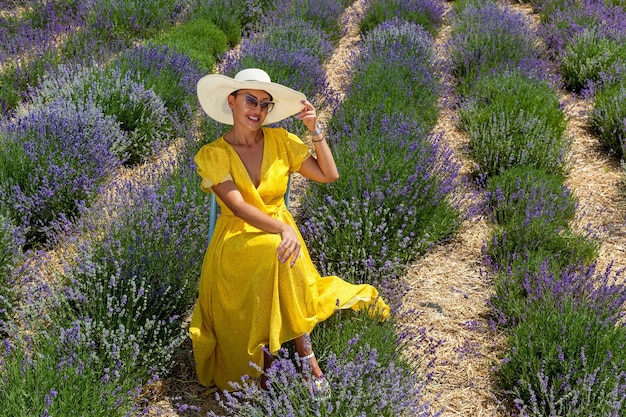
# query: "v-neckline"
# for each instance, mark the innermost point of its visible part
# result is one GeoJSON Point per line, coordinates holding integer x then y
{"type": "Point", "coordinates": [262, 168]}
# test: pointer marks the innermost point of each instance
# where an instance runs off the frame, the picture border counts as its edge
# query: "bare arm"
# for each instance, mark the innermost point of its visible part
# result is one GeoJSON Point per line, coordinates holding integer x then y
{"type": "Point", "coordinates": [230, 195]}
{"type": "Point", "coordinates": [322, 167]}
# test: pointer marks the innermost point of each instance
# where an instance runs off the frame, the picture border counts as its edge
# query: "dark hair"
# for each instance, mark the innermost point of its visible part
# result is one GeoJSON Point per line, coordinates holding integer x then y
{"type": "Point", "coordinates": [234, 94]}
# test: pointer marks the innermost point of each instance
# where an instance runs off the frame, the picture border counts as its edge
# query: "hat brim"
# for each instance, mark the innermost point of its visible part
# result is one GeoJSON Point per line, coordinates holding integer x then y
{"type": "Point", "coordinates": [214, 89]}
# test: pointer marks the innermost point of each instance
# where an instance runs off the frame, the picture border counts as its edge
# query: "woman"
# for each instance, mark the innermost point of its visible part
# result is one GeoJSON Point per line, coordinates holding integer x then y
{"type": "Point", "coordinates": [259, 287]}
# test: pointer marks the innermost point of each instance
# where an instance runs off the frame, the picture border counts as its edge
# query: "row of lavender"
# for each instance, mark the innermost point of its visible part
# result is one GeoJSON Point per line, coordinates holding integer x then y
{"type": "Point", "coordinates": [79, 116]}
{"type": "Point", "coordinates": [562, 317]}
{"type": "Point", "coordinates": [587, 39]}
{"type": "Point", "coordinates": [87, 339]}
{"type": "Point", "coordinates": [38, 35]}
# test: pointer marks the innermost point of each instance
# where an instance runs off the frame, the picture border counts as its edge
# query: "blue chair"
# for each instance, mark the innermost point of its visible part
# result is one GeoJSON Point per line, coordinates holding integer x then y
{"type": "Point", "coordinates": [214, 208]}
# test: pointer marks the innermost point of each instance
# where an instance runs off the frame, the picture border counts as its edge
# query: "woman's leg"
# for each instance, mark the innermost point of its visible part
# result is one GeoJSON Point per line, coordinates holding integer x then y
{"type": "Point", "coordinates": [305, 350]}
{"type": "Point", "coordinates": [268, 358]}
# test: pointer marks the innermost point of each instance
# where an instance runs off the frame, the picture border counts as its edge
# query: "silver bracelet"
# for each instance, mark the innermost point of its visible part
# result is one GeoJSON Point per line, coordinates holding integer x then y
{"type": "Point", "coordinates": [318, 130]}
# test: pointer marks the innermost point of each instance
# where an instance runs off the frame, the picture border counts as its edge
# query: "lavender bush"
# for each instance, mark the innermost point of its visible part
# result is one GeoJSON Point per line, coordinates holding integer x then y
{"type": "Point", "coordinates": [532, 209]}
{"type": "Point", "coordinates": [131, 19]}
{"type": "Point", "coordinates": [11, 241]}
{"type": "Point", "coordinates": [514, 120]}
{"type": "Point", "coordinates": [426, 13]}
{"type": "Point", "coordinates": [320, 14]}
{"type": "Point", "coordinates": [369, 223]}
{"type": "Point", "coordinates": [365, 229]}
{"type": "Point", "coordinates": [564, 20]}
{"type": "Point", "coordinates": [139, 112]}
{"type": "Point", "coordinates": [609, 117]}
{"type": "Point", "coordinates": [588, 56]}
{"type": "Point", "coordinates": [170, 74]}
{"type": "Point", "coordinates": [136, 284]}
{"type": "Point", "coordinates": [521, 193]}
{"type": "Point", "coordinates": [118, 319]}
{"type": "Point", "coordinates": [366, 379]}
{"type": "Point", "coordinates": [29, 34]}
{"type": "Point", "coordinates": [487, 38]}
{"type": "Point", "coordinates": [53, 160]}
{"type": "Point", "coordinates": [56, 373]}
{"type": "Point", "coordinates": [595, 394]}
{"type": "Point", "coordinates": [295, 34]}
{"type": "Point", "coordinates": [568, 344]}
{"type": "Point", "coordinates": [395, 72]}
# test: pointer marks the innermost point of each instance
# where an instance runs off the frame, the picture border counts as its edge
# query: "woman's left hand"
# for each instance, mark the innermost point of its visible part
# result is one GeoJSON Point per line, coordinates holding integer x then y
{"type": "Point", "coordinates": [308, 115]}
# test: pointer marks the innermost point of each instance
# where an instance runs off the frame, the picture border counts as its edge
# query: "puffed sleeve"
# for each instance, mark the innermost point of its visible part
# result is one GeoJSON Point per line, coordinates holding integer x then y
{"type": "Point", "coordinates": [213, 166]}
{"type": "Point", "coordinates": [297, 151]}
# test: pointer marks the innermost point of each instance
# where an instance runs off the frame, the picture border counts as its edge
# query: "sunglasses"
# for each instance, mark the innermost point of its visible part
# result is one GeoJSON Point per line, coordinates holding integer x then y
{"type": "Point", "coordinates": [252, 102]}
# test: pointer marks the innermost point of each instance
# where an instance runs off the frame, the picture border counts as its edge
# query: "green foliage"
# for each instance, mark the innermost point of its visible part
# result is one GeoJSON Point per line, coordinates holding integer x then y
{"type": "Point", "coordinates": [588, 56]}
{"type": "Point", "coordinates": [135, 19]}
{"type": "Point", "coordinates": [16, 78]}
{"type": "Point", "coordinates": [486, 39]}
{"type": "Point", "coordinates": [10, 255]}
{"type": "Point", "coordinates": [608, 117]}
{"type": "Point", "coordinates": [57, 374]}
{"type": "Point", "coordinates": [561, 348]}
{"type": "Point", "coordinates": [225, 14]}
{"type": "Point", "coordinates": [513, 120]}
{"type": "Point", "coordinates": [380, 11]}
{"type": "Point", "coordinates": [200, 39]}
{"type": "Point", "coordinates": [10, 92]}
{"type": "Point", "coordinates": [521, 192]}
{"type": "Point", "coordinates": [336, 334]}
{"type": "Point", "coordinates": [513, 91]}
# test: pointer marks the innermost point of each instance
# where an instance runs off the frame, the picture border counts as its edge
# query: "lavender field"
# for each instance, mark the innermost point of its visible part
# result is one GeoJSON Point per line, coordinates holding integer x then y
{"type": "Point", "coordinates": [480, 146]}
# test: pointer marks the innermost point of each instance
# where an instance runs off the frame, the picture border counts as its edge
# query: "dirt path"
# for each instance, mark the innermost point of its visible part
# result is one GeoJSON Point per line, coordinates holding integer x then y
{"type": "Point", "coordinates": [598, 182]}
{"type": "Point", "coordinates": [447, 287]}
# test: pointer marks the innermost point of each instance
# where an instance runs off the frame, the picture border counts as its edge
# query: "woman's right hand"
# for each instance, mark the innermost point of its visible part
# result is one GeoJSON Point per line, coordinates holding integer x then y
{"type": "Point", "coordinates": [289, 247]}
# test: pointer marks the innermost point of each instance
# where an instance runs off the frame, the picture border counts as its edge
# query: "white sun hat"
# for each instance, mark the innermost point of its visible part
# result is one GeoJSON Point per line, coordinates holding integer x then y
{"type": "Point", "coordinates": [214, 89]}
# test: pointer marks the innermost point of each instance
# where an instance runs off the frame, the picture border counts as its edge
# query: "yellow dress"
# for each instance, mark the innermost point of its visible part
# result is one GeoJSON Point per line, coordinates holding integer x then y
{"type": "Point", "coordinates": [248, 299]}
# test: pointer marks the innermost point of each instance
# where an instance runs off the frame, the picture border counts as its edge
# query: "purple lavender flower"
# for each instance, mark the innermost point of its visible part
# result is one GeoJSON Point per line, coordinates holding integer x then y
{"type": "Point", "coordinates": [56, 158]}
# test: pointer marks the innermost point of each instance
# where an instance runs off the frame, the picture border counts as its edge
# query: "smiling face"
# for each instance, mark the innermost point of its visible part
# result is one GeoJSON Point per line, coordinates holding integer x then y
{"type": "Point", "coordinates": [250, 107]}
